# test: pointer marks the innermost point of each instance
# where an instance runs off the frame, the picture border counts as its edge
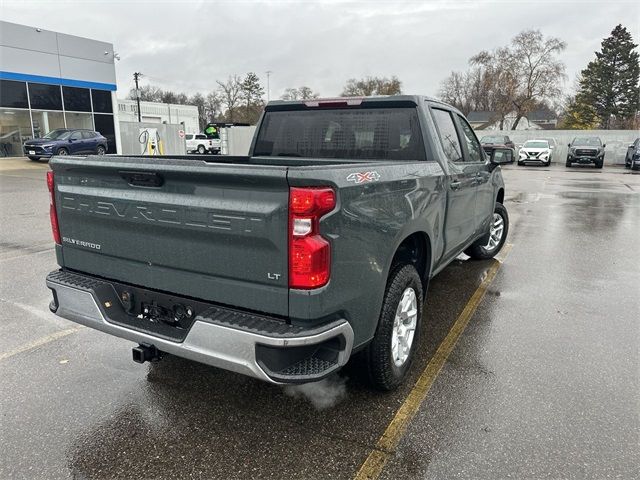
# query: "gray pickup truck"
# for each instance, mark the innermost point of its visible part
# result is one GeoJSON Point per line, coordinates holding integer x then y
{"type": "Point", "coordinates": [284, 264]}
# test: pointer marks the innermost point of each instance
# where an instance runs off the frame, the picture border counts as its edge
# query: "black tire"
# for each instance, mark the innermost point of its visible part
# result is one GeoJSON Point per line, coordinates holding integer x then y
{"type": "Point", "coordinates": [34, 159]}
{"type": "Point", "coordinates": [568, 164]}
{"type": "Point", "coordinates": [599, 164]}
{"type": "Point", "coordinates": [479, 250]}
{"type": "Point", "coordinates": [520, 164]}
{"type": "Point", "coordinates": [376, 359]}
{"type": "Point", "coordinates": [100, 150]}
{"type": "Point", "coordinates": [62, 151]}
{"type": "Point", "coordinates": [201, 149]}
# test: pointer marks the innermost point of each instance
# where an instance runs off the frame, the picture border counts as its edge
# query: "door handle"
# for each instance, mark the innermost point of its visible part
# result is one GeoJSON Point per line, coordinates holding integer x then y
{"type": "Point", "coordinates": [455, 185]}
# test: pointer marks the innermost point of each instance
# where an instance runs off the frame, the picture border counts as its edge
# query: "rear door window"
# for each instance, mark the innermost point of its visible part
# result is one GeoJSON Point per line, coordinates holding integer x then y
{"type": "Point", "coordinates": [474, 151]}
{"type": "Point", "coordinates": [201, 137]}
{"type": "Point", "coordinates": [448, 135]}
{"type": "Point", "coordinates": [360, 133]}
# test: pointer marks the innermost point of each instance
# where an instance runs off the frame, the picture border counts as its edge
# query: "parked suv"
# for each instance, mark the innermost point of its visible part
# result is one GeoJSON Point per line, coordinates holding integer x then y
{"type": "Point", "coordinates": [491, 142]}
{"type": "Point", "coordinates": [536, 151]}
{"type": "Point", "coordinates": [64, 141]}
{"type": "Point", "coordinates": [632, 158]}
{"type": "Point", "coordinates": [200, 143]}
{"type": "Point", "coordinates": [586, 150]}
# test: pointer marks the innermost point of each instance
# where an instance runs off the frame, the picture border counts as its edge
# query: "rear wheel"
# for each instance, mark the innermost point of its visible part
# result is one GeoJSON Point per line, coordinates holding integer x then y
{"type": "Point", "coordinates": [388, 358]}
{"type": "Point", "coordinates": [489, 245]}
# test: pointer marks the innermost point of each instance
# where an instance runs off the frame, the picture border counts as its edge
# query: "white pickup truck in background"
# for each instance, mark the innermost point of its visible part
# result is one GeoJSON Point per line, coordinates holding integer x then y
{"type": "Point", "coordinates": [200, 143]}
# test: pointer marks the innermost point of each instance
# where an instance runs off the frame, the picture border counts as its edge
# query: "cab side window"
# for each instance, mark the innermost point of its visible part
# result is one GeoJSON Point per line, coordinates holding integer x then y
{"type": "Point", "coordinates": [76, 136]}
{"type": "Point", "coordinates": [448, 135]}
{"type": "Point", "coordinates": [473, 146]}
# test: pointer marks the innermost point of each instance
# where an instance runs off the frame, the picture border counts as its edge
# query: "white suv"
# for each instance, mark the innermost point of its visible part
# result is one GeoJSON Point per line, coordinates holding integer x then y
{"type": "Point", "coordinates": [199, 143]}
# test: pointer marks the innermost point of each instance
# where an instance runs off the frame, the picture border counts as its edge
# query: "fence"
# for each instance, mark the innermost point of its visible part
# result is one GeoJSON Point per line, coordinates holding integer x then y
{"type": "Point", "coordinates": [616, 141]}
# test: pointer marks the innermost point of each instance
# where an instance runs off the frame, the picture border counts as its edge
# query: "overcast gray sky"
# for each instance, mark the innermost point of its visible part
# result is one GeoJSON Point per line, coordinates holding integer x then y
{"type": "Point", "coordinates": [186, 46]}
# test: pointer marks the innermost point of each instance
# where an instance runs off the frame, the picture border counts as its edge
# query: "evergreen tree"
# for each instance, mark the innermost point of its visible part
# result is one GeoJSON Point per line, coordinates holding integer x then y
{"type": "Point", "coordinates": [611, 82]}
{"type": "Point", "coordinates": [579, 114]}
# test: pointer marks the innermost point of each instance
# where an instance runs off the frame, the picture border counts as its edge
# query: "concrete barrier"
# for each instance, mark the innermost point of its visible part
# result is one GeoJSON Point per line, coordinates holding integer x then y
{"type": "Point", "coordinates": [616, 141]}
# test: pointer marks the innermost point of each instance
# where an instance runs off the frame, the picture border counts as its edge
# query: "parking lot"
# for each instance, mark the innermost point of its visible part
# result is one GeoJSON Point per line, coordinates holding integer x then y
{"type": "Point", "coordinates": [528, 366]}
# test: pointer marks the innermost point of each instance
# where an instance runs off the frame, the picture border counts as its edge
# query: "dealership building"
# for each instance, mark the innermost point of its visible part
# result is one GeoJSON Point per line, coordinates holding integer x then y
{"type": "Point", "coordinates": [51, 80]}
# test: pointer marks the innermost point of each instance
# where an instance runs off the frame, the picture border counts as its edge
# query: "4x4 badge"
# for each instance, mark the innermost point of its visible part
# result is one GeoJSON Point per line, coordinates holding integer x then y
{"type": "Point", "coordinates": [362, 177]}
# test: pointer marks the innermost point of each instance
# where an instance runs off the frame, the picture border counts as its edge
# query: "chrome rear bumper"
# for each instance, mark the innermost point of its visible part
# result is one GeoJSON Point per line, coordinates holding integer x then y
{"type": "Point", "coordinates": [284, 354]}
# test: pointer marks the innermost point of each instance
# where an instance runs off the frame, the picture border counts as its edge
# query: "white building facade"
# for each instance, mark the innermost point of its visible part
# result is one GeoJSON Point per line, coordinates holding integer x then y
{"type": "Point", "coordinates": [152, 112]}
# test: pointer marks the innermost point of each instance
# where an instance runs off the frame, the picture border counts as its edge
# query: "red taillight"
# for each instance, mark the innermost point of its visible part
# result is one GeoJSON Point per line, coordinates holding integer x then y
{"type": "Point", "coordinates": [53, 215]}
{"type": "Point", "coordinates": [309, 252]}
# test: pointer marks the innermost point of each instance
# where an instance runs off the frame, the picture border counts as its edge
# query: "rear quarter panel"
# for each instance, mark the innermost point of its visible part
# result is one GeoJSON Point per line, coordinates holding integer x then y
{"type": "Point", "coordinates": [370, 221]}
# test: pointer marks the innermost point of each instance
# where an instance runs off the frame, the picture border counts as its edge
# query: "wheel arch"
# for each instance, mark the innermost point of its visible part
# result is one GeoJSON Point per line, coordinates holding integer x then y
{"type": "Point", "coordinates": [415, 249]}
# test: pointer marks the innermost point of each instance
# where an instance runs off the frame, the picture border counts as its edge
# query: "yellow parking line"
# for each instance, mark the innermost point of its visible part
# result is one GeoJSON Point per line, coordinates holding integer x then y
{"type": "Point", "coordinates": [386, 445]}
{"type": "Point", "coordinates": [39, 342]}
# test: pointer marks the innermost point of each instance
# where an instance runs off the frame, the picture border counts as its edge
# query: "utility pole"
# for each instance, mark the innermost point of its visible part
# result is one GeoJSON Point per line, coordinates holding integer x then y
{"type": "Point", "coordinates": [136, 76]}
{"type": "Point", "coordinates": [268, 72]}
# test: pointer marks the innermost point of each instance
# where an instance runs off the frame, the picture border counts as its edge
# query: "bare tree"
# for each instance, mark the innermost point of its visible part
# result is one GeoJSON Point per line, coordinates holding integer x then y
{"type": "Point", "coordinates": [213, 106]}
{"type": "Point", "coordinates": [366, 87]}
{"type": "Point", "coordinates": [525, 72]}
{"type": "Point", "coordinates": [231, 93]}
{"type": "Point", "coordinates": [302, 93]}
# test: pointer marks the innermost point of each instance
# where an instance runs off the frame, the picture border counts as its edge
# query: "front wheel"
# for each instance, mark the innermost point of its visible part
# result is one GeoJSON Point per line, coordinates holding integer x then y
{"type": "Point", "coordinates": [63, 151]}
{"type": "Point", "coordinates": [100, 150]}
{"type": "Point", "coordinates": [388, 357]}
{"type": "Point", "coordinates": [489, 245]}
{"type": "Point", "coordinates": [201, 149]}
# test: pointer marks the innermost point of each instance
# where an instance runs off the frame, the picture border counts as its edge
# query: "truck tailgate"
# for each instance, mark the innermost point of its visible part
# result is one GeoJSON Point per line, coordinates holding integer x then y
{"type": "Point", "coordinates": [205, 230]}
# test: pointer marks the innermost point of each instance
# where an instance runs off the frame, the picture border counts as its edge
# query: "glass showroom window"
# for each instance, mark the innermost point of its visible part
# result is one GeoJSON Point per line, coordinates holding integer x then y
{"type": "Point", "coordinates": [13, 94]}
{"type": "Point", "coordinates": [104, 125]}
{"type": "Point", "coordinates": [44, 122]}
{"type": "Point", "coordinates": [45, 97]}
{"type": "Point", "coordinates": [79, 120]}
{"type": "Point", "coordinates": [15, 128]}
{"type": "Point", "coordinates": [102, 101]}
{"type": "Point", "coordinates": [76, 99]}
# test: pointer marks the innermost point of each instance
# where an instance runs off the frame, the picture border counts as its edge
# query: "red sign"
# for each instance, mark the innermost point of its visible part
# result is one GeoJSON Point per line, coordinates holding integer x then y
{"type": "Point", "coordinates": [181, 133]}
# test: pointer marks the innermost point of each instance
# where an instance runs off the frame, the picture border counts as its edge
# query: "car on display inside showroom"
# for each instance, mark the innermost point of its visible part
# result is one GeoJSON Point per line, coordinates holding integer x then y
{"type": "Point", "coordinates": [539, 152]}
{"type": "Point", "coordinates": [65, 141]}
{"type": "Point", "coordinates": [285, 263]}
{"type": "Point", "coordinates": [632, 157]}
{"type": "Point", "coordinates": [586, 151]}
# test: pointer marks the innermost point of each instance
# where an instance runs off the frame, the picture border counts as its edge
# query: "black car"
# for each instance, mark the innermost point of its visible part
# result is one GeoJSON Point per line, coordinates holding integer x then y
{"type": "Point", "coordinates": [491, 142]}
{"type": "Point", "coordinates": [586, 150]}
{"type": "Point", "coordinates": [632, 158]}
{"type": "Point", "coordinates": [65, 141]}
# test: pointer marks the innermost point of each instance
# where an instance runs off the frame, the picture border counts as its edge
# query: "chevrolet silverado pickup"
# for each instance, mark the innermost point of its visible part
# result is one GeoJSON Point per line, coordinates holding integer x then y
{"type": "Point", "coordinates": [316, 247]}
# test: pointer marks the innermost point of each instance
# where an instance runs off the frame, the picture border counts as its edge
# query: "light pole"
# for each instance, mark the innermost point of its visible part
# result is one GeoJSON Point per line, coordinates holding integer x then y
{"type": "Point", "coordinates": [268, 72]}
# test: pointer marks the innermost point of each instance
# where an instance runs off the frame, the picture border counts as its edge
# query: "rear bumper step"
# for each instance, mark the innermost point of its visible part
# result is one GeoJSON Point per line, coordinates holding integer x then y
{"type": "Point", "coordinates": [256, 345]}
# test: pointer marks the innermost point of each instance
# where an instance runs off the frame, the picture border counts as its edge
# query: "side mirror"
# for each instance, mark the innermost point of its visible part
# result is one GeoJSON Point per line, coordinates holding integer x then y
{"type": "Point", "coordinates": [632, 146]}
{"type": "Point", "coordinates": [569, 145]}
{"type": "Point", "coordinates": [550, 146]}
{"type": "Point", "coordinates": [70, 140]}
{"type": "Point", "coordinates": [500, 156]}
{"type": "Point", "coordinates": [604, 145]}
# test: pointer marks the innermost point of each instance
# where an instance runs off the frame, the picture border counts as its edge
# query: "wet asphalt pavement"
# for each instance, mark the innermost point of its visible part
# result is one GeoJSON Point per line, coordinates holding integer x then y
{"type": "Point", "coordinates": [544, 382]}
